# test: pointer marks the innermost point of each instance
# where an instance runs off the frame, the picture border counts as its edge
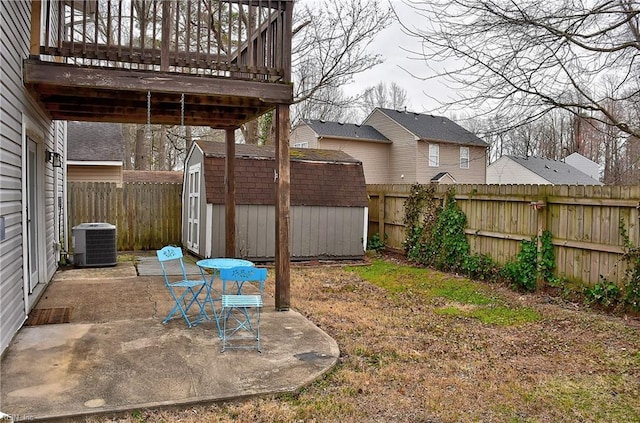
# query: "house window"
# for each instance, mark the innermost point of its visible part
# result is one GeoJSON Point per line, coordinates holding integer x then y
{"type": "Point", "coordinates": [464, 157]}
{"type": "Point", "coordinates": [301, 145]}
{"type": "Point", "coordinates": [434, 155]}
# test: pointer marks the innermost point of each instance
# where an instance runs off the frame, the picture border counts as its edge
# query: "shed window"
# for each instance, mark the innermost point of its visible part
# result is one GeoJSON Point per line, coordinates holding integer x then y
{"type": "Point", "coordinates": [434, 155]}
{"type": "Point", "coordinates": [464, 157]}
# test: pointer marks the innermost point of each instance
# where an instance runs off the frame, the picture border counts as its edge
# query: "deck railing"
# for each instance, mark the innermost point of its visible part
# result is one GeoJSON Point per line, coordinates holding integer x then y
{"type": "Point", "coordinates": [242, 39]}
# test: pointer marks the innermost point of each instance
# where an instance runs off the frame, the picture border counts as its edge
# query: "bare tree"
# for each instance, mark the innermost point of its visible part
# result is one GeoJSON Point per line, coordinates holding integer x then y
{"type": "Point", "coordinates": [391, 96]}
{"type": "Point", "coordinates": [329, 103]}
{"type": "Point", "coordinates": [518, 60]}
{"type": "Point", "coordinates": [330, 46]}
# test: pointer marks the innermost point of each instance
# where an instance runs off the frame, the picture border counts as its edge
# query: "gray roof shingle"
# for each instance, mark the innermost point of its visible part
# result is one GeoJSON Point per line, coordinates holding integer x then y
{"type": "Point", "coordinates": [436, 128]}
{"type": "Point", "coordinates": [556, 172]}
{"type": "Point", "coordinates": [346, 130]}
{"type": "Point", "coordinates": [218, 149]}
{"type": "Point", "coordinates": [92, 141]}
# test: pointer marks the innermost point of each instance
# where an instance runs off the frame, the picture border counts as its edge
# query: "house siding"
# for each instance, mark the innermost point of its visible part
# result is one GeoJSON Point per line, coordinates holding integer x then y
{"type": "Point", "coordinates": [303, 133]}
{"type": "Point", "coordinates": [80, 173]}
{"type": "Point", "coordinates": [506, 171]}
{"type": "Point", "coordinates": [21, 117]}
{"type": "Point", "coordinates": [374, 156]}
{"type": "Point", "coordinates": [403, 152]}
{"type": "Point", "coordinates": [450, 162]}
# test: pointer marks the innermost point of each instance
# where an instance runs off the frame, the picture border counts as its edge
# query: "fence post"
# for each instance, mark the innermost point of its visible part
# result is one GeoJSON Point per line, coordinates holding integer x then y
{"type": "Point", "coordinates": [540, 207]}
{"type": "Point", "coordinates": [381, 216]}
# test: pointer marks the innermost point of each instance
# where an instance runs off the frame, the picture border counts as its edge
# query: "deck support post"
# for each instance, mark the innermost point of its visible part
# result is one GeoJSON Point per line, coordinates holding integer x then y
{"type": "Point", "coordinates": [230, 193]}
{"type": "Point", "coordinates": [36, 22]}
{"type": "Point", "coordinates": [283, 202]}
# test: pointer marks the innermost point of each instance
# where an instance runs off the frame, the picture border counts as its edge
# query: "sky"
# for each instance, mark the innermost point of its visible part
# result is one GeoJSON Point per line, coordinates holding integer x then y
{"type": "Point", "coordinates": [391, 43]}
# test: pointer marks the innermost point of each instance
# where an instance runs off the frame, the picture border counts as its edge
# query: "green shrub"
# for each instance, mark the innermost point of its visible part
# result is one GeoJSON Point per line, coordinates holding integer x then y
{"type": "Point", "coordinates": [374, 243]}
{"type": "Point", "coordinates": [605, 294]}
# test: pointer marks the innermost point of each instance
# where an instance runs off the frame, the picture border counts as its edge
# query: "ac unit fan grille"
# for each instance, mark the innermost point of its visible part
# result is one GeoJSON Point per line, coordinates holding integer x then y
{"type": "Point", "coordinates": [100, 247]}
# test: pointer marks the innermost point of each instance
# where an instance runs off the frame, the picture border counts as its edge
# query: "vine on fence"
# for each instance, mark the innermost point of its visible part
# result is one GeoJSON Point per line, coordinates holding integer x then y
{"type": "Point", "coordinates": [608, 294]}
{"type": "Point", "coordinates": [529, 266]}
{"type": "Point", "coordinates": [436, 238]}
{"type": "Point", "coordinates": [420, 213]}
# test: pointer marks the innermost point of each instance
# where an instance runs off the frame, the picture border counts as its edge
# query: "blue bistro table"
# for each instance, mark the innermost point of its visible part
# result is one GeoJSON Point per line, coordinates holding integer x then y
{"type": "Point", "coordinates": [215, 264]}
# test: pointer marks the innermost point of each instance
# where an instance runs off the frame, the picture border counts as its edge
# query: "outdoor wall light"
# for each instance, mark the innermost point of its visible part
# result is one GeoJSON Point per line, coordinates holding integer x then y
{"type": "Point", "coordinates": [54, 158]}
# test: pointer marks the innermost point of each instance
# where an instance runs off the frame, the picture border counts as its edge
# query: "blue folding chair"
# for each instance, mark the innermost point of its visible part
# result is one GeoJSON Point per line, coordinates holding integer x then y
{"type": "Point", "coordinates": [241, 307]}
{"type": "Point", "coordinates": [190, 289]}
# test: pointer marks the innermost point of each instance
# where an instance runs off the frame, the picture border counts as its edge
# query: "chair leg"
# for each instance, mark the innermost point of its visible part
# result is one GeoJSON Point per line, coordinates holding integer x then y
{"type": "Point", "coordinates": [182, 306]}
{"type": "Point", "coordinates": [238, 329]}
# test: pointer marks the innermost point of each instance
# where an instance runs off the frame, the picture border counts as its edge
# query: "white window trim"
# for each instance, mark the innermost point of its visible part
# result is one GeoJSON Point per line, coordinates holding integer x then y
{"type": "Point", "coordinates": [301, 145]}
{"type": "Point", "coordinates": [464, 157]}
{"type": "Point", "coordinates": [436, 150]}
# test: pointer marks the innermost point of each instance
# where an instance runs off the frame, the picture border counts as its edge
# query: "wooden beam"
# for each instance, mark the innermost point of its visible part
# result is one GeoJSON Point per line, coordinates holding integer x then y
{"type": "Point", "coordinates": [230, 193]}
{"type": "Point", "coordinates": [283, 217]}
{"type": "Point", "coordinates": [69, 76]}
{"type": "Point", "coordinates": [36, 25]}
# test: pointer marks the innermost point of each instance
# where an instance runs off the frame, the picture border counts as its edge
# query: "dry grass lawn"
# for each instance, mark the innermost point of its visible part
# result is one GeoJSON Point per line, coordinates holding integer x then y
{"type": "Point", "coordinates": [423, 346]}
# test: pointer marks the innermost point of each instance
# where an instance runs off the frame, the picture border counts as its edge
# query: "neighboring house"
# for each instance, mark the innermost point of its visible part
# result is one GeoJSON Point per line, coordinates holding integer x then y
{"type": "Point", "coordinates": [328, 202]}
{"type": "Point", "coordinates": [361, 141]}
{"type": "Point", "coordinates": [32, 194]}
{"type": "Point", "coordinates": [536, 171]}
{"type": "Point", "coordinates": [402, 147]}
{"type": "Point", "coordinates": [584, 165]}
{"type": "Point", "coordinates": [94, 152]}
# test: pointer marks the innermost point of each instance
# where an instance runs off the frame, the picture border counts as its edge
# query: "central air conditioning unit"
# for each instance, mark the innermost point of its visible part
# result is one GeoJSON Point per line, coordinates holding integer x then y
{"type": "Point", "coordinates": [94, 245]}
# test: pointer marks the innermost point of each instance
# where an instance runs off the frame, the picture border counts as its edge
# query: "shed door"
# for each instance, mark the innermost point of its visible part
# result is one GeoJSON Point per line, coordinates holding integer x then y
{"type": "Point", "coordinates": [193, 217]}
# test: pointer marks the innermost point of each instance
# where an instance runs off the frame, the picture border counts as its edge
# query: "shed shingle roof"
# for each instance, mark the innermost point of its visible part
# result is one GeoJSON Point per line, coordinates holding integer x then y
{"type": "Point", "coordinates": [318, 177]}
{"type": "Point", "coordinates": [556, 172]}
{"type": "Point", "coordinates": [346, 130]}
{"type": "Point", "coordinates": [436, 128]}
{"type": "Point", "coordinates": [92, 141]}
{"type": "Point", "coordinates": [218, 149]}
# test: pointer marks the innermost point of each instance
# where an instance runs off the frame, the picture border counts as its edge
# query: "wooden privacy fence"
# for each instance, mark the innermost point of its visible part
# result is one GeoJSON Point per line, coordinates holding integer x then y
{"type": "Point", "coordinates": [147, 216]}
{"type": "Point", "coordinates": [583, 220]}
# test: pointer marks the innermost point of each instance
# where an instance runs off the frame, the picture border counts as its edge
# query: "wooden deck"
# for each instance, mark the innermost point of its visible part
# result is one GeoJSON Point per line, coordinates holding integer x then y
{"type": "Point", "coordinates": [218, 63]}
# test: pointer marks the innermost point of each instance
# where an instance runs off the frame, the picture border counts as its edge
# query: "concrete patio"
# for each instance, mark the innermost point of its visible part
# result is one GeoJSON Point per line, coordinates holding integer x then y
{"type": "Point", "coordinates": [115, 355]}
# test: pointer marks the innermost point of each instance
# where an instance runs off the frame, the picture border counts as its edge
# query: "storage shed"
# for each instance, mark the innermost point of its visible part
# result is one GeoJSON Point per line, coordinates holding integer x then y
{"type": "Point", "coordinates": [328, 203]}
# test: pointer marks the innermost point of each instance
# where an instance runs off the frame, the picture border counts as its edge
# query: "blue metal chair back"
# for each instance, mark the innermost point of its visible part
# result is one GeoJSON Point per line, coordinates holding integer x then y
{"type": "Point", "coordinates": [239, 329]}
{"type": "Point", "coordinates": [239, 275]}
{"type": "Point", "coordinates": [184, 292]}
{"type": "Point", "coordinates": [169, 253]}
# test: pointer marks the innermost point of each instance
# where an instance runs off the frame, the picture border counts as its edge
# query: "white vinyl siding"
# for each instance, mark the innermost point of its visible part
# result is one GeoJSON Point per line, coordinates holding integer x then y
{"type": "Point", "coordinates": [21, 116]}
{"type": "Point", "coordinates": [450, 162]}
{"type": "Point", "coordinates": [434, 155]}
{"type": "Point", "coordinates": [303, 134]}
{"type": "Point", "coordinates": [83, 173]}
{"type": "Point", "coordinates": [464, 157]}
{"type": "Point", "coordinates": [373, 155]}
{"type": "Point", "coordinates": [403, 158]}
{"type": "Point", "coordinates": [506, 171]}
